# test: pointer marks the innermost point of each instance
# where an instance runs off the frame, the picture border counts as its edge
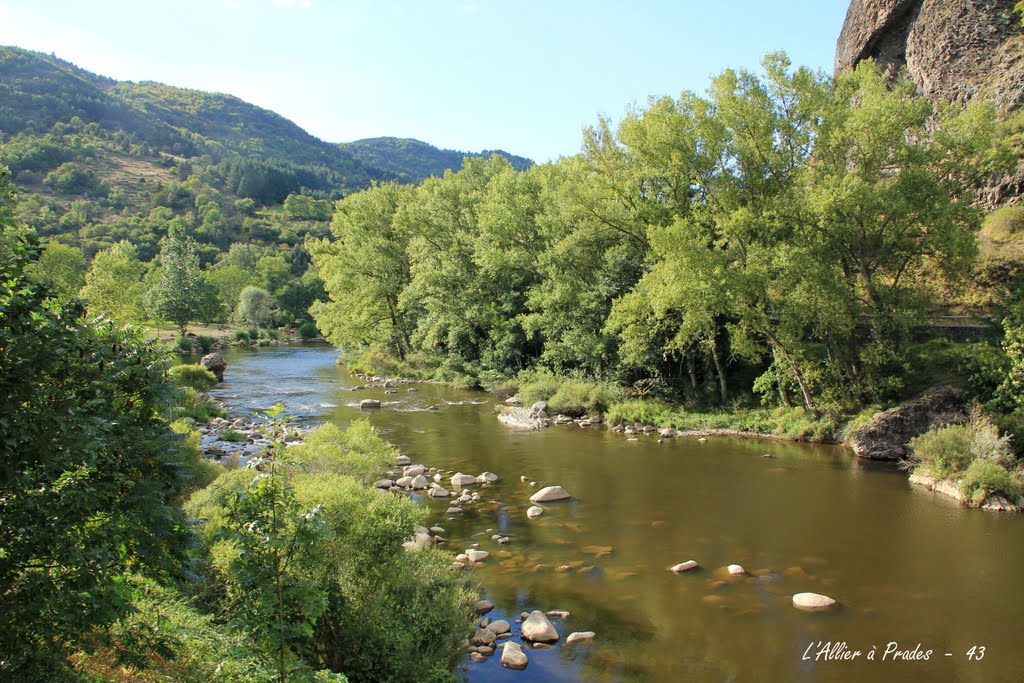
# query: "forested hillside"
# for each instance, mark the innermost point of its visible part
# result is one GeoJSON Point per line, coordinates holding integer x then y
{"type": "Point", "coordinates": [414, 161]}
{"type": "Point", "coordinates": [112, 168]}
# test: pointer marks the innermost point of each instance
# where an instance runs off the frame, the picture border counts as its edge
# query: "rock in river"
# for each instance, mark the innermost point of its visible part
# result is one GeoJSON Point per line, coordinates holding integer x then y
{"type": "Point", "coordinates": [477, 555]}
{"type": "Point", "coordinates": [460, 480]}
{"type": "Point", "coordinates": [538, 628]}
{"type": "Point", "coordinates": [483, 606]}
{"type": "Point", "coordinates": [580, 637]}
{"type": "Point", "coordinates": [487, 478]}
{"type": "Point", "coordinates": [500, 626]}
{"type": "Point", "coordinates": [215, 363]}
{"type": "Point", "coordinates": [813, 602]}
{"type": "Point", "coordinates": [549, 494]}
{"type": "Point", "coordinates": [736, 570]}
{"type": "Point", "coordinates": [689, 565]}
{"type": "Point", "coordinates": [419, 482]}
{"type": "Point", "coordinates": [534, 512]}
{"type": "Point", "coordinates": [513, 657]}
{"type": "Point", "coordinates": [369, 403]}
{"type": "Point", "coordinates": [484, 636]}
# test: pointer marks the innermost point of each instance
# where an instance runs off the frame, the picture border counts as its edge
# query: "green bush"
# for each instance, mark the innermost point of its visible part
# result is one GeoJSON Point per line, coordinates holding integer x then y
{"type": "Point", "coordinates": [949, 450]}
{"type": "Point", "coordinates": [308, 331]}
{"type": "Point", "coordinates": [204, 343]}
{"type": "Point", "coordinates": [985, 477]}
{"type": "Point", "coordinates": [196, 405]}
{"type": "Point", "coordinates": [357, 452]}
{"type": "Point", "coordinates": [366, 583]}
{"type": "Point", "coordinates": [232, 436]}
{"type": "Point", "coordinates": [193, 375]}
{"type": "Point", "coordinates": [166, 638]}
{"type": "Point", "coordinates": [242, 336]}
{"type": "Point", "coordinates": [1004, 224]}
{"type": "Point", "coordinates": [184, 345]}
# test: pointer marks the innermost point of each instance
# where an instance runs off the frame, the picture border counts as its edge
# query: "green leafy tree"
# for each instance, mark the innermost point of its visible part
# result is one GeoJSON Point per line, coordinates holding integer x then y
{"type": "Point", "coordinates": [90, 472]}
{"type": "Point", "coordinates": [254, 307]}
{"type": "Point", "coordinates": [178, 295]}
{"type": "Point", "coordinates": [113, 284]}
{"type": "Point", "coordinates": [62, 266]}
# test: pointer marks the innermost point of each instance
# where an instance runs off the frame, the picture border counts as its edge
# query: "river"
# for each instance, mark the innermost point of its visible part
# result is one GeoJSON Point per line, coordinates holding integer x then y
{"type": "Point", "coordinates": [908, 567]}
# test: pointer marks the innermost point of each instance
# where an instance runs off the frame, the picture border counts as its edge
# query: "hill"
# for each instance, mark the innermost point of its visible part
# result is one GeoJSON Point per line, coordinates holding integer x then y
{"type": "Point", "coordinates": [412, 160]}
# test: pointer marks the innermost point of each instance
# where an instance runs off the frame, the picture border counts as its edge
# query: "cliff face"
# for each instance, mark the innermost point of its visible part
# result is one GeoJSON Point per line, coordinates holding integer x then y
{"type": "Point", "coordinates": [954, 50]}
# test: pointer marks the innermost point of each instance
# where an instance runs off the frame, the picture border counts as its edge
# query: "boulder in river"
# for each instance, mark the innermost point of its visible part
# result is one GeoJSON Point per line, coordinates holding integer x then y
{"type": "Point", "coordinates": [487, 478]}
{"type": "Point", "coordinates": [580, 637]}
{"type": "Point", "coordinates": [438, 492]}
{"type": "Point", "coordinates": [534, 511]}
{"type": "Point", "coordinates": [368, 403]}
{"type": "Point", "coordinates": [500, 626]}
{"type": "Point", "coordinates": [419, 482]}
{"type": "Point", "coordinates": [520, 418]}
{"type": "Point", "coordinates": [404, 482]}
{"type": "Point", "coordinates": [477, 555]}
{"type": "Point", "coordinates": [483, 606]}
{"type": "Point", "coordinates": [383, 484]}
{"type": "Point", "coordinates": [539, 409]}
{"type": "Point", "coordinates": [403, 460]}
{"type": "Point", "coordinates": [459, 480]}
{"type": "Point", "coordinates": [813, 602]}
{"type": "Point", "coordinates": [215, 363]}
{"type": "Point", "coordinates": [513, 657]}
{"type": "Point", "coordinates": [736, 570]}
{"type": "Point", "coordinates": [550, 494]}
{"type": "Point", "coordinates": [538, 628]}
{"type": "Point", "coordinates": [414, 470]}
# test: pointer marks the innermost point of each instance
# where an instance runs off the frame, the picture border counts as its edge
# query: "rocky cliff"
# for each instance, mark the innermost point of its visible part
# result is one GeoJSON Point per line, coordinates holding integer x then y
{"type": "Point", "coordinates": [952, 49]}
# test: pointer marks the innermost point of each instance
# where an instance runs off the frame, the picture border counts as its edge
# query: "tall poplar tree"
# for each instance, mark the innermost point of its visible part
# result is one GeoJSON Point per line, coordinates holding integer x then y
{"type": "Point", "coordinates": [179, 292]}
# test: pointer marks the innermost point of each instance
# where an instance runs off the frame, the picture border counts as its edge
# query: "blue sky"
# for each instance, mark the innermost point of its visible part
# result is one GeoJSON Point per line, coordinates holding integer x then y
{"type": "Point", "coordinates": [521, 75]}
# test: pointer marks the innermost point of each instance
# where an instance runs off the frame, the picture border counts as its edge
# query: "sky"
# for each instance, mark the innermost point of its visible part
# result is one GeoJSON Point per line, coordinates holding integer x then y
{"type": "Point", "coordinates": [525, 76]}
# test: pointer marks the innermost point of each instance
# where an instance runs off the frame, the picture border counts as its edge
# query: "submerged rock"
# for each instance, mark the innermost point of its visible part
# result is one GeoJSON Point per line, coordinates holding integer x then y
{"type": "Point", "coordinates": [689, 565]}
{"type": "Point", "coordinates": [580, 637]}
{"type": "Point", "coordinates": [550, 494]}
{"type": "Point", "coordinates": [813, 602]}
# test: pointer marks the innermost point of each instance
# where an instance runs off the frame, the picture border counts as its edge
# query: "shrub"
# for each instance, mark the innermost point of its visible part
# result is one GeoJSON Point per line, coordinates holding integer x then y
{"type": "Point", "coordinates": [204, 343]}
{"type": "Point", "coordinates": [357, 452]}
{"type": "Point", "coordinates": [232, 436]}
{"type": "Point", "coordinates": [1004, 224]}
{"type": "Point", "coordinates": [196, 405]}
{"type": "Point", "coordinates": [308, 331]}
{"type": "Point", "coordinates": [241, 336]}
{"type": "Point", "coordinates": [184, 345]}
{"type": "Point", "coordinates": [193, 375]}
{"type": "Point", "coordinates": [949, 450]}
{"type": "Point", "coordinates": [571, 395]}
{"type": "Point", "coordinates": [985, 477]}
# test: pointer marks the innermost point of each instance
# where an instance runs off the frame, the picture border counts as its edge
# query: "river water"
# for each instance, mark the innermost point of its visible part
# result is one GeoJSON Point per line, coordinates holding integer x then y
{"type": "Point", "coordinates": [907, 566]}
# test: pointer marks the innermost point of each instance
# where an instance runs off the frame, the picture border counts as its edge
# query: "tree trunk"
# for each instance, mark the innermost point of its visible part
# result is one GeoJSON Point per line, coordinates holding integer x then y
{"type": "Point", "coordinates": [722, 388]}
{"type": "Point", "coordinates": [808, 401]}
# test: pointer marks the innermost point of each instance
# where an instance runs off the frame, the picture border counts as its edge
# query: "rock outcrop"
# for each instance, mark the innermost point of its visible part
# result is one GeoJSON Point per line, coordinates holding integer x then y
{"type": "Point", "coordinates": [886, 436]}
{"type": "Point", "coordinates": [954, 50]}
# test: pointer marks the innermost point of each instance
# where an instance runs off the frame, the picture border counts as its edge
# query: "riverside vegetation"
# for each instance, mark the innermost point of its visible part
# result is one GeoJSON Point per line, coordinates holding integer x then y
{"type": "Point", "coordinates": [124, 555]}
{"type": "Point", "coordinates": [773, 256]}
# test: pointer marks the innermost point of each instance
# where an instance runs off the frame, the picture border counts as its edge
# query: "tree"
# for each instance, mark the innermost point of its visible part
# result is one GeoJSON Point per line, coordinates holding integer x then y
{"type": "Point", "coordinates": [62, 266]}
{"type": "Point", "coordinates": [254, 307]}
{"type": "Point", "coordinates": [178, 294]}
{"type": "Point", "coordinates": [90, 472]}
{"type": "Point", "coordinates": [113, 284]}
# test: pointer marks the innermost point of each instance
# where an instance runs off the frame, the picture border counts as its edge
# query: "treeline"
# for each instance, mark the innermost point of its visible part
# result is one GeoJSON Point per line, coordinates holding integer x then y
{"type": "Point", "coordinates": [785, 237]}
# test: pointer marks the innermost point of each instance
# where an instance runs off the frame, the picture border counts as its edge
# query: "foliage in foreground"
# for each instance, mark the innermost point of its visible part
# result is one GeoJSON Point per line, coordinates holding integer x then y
{"type": "Point", "coordinates": [90, 471]}
{"type": "Point", "coordinates": [309, 559]}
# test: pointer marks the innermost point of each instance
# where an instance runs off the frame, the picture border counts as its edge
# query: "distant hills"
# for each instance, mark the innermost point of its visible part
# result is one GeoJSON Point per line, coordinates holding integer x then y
{"type": "Point", "coordinates": [411, 160]}
{"type": "Point", "coordinates": [39, 91]}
